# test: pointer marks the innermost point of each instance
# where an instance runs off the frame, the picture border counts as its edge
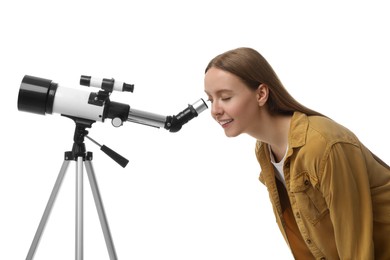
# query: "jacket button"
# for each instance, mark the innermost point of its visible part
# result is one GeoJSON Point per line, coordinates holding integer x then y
{"type": "Point", "coordinates": [298, 215]}
{"type": "Point", "coordinates": [323, 258]}
{"type": "Point", "coordinates": [307, 182]}
{"type": "Point", "coordinates": [308, 241]}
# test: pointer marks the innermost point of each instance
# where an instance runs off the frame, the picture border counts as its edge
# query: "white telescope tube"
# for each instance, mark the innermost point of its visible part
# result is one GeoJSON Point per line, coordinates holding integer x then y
{"type": "Point", "coordinates": [74, 102]}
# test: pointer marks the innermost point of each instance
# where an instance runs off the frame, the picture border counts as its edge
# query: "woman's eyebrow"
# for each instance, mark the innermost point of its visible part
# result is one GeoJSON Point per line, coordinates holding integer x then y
{"type": "Point", "coordinates": [220, 91]}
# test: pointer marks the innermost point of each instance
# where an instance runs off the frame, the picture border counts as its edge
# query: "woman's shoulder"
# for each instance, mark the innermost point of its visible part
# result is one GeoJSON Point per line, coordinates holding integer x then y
{"type": "Point", "coordinates": [329, 130]}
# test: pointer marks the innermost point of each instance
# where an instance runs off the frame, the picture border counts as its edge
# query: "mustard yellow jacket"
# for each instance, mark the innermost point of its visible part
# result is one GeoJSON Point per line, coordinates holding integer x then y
{"type": "Point", "coordinates": [338, 192]}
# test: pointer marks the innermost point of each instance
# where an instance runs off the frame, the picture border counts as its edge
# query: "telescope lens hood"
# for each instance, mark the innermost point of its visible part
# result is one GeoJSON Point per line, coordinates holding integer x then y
{"type": "Point", "coordinates": [36, 95]}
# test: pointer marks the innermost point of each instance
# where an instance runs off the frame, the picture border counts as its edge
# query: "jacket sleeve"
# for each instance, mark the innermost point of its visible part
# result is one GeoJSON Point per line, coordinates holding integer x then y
{"type": "Point", "coordinates": [346, 189]}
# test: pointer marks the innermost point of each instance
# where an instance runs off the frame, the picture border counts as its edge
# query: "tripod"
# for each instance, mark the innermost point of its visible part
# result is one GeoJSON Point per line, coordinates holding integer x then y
{"type": "Point", "coordinates": [82, 158]}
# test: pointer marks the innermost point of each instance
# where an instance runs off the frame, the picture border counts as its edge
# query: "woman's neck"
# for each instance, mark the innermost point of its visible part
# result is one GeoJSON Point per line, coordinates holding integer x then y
{"type": "Point", "coordinates": [276, 135]}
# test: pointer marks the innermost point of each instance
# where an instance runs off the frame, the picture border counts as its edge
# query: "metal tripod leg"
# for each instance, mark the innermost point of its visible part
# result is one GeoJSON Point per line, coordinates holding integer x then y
{"type": "Point", "coordinates": [79, 209]}
{"type": "Point", "coordinates": [47, 211]}
{"type": "Point", "coordinates": [100, 210]}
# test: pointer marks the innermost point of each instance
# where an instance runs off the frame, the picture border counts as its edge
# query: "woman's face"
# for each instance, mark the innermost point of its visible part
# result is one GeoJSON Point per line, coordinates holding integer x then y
{"type": "Point", "coordinates": [233, 105]}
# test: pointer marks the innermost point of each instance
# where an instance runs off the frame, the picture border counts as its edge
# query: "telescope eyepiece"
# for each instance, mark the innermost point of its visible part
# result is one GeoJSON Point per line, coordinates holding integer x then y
{"type": "Point", "coordinates": [175, 123]}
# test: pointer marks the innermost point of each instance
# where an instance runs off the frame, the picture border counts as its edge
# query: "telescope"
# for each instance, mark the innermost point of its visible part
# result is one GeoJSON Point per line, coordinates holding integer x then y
{"type": "Point", "coordinates": [43, 96]}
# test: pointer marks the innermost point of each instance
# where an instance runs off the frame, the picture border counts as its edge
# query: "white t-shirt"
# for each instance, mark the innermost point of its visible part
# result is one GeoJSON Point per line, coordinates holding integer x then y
{"type": "Point", "coordinates": [278, 166]}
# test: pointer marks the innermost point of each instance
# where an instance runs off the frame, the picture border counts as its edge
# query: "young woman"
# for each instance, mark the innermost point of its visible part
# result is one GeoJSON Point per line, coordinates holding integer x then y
{"type": "Point", "coordinates": [330, 194]}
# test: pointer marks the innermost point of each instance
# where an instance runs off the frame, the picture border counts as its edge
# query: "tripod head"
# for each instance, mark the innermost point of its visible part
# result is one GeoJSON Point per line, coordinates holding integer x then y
{"type": "Point", "coordinates": [78, 149]}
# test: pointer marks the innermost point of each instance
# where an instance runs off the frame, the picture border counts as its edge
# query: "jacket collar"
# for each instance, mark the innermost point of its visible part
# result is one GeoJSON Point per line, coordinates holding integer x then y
{"type": "Point", "coordinates": [298, 130]}
{"type": "Point", "coordinates": [297, 138]}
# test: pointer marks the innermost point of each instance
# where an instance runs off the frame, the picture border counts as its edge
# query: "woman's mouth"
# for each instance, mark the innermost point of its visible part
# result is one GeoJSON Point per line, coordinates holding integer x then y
{"type": "Point", "coordinates": [225, 123]}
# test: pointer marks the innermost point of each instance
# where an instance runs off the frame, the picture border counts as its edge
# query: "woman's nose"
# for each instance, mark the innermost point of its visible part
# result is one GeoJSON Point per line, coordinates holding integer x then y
{"type": "Point", "coordinates": [216, 109]}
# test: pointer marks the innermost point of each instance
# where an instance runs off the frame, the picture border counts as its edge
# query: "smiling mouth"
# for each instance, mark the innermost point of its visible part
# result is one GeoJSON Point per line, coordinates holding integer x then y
{"type": "Point", "coordinates": [224, 123]}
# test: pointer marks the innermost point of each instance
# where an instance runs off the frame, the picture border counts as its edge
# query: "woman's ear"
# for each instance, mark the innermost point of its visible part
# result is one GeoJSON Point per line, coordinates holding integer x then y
{"type": "Point", "coordinates": [262, 93]}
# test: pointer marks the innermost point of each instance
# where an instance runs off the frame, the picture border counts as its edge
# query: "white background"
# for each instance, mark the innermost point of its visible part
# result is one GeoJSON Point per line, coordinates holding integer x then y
{"type": "Point", "coordinates": [194, 194]}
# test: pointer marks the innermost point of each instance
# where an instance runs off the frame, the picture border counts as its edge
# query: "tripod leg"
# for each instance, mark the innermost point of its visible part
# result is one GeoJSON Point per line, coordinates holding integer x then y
{"type": "Point", "coordinates": [79, 209]}
{"type": "Point", "coordinates": [100, 210]}
{"type": "Point", "coordinates": [47, 211]}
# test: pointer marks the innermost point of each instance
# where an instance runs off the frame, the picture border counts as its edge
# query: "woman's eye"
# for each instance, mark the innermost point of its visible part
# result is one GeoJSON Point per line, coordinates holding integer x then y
{"type": "Point", "coordinates": [226, 98]}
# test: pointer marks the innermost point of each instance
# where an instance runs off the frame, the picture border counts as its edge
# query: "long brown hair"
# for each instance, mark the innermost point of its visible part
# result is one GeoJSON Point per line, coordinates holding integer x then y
{"type": "Point", "coordinates": [253, 69]}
